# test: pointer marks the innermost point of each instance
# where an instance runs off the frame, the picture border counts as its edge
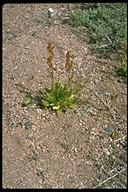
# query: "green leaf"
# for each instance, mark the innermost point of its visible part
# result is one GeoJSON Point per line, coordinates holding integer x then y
{"type": "Point", "coordinates": [45, 103]}
{"type": "Point", "coordinates": [27, 101]}
{"type": "Point", "coordinates": [72, 96]}
{"type": "Point", "coordinates": [41, 91]}
{"type": "Point", "coordinates": [73, 106]}
{"type": "Point", "coordinates": [56, 107]}
{"type": "Point", "coordinates": [51, 104]}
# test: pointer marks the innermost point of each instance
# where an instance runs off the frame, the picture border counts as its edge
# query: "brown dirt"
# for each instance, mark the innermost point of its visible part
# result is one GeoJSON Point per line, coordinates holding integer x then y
{"type": "Point", "coordinates": [71, 150]}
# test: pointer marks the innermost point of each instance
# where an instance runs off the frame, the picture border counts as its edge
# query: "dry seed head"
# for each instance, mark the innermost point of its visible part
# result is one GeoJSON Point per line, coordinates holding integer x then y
{"type": "Point", "coordinates": [68, 64]}
{"type": "Point", "coordinates": [50, 46]}
{"type": "Point", "coordinates": [51, 55]}
{"type": "Point", "coordinates": [49, 62]}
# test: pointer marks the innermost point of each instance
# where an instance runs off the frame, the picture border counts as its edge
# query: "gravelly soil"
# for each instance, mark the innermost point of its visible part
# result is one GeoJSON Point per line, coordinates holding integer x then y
{"type": "Point", "coordinates": [72, 150]}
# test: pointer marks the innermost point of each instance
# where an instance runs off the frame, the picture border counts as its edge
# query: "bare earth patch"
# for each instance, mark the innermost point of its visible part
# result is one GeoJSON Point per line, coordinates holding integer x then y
{"type": "Point", "coordinates": [81, 149]}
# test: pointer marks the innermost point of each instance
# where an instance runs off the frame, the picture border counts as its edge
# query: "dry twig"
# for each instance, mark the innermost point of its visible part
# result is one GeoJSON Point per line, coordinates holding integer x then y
{"type": "Point", "coordinates": [111, 177]}
{"type": "Point", "coordinates": [106, 105]}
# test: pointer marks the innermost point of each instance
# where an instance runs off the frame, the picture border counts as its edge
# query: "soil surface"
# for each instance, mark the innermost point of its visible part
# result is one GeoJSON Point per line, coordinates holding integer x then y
{"type": "Point", "coordinates": [85, 148]}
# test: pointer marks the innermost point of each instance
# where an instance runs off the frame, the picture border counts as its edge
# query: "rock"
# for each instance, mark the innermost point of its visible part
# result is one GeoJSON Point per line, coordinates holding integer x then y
{"type": "Point", "coordinates": [50, 10]}
{"type": "Point", "coordinates": [56, 22]}
{"type": "Point", "coordinates": [107, 93]}
{"type": "Point", "coordinates": [106, 151]}
{"type": "Point", "coordinates": [28, 124]}
{"type": "Point", "coordinates": [96, 81]}
{"type": "Point", "coordinates": [108, 130]}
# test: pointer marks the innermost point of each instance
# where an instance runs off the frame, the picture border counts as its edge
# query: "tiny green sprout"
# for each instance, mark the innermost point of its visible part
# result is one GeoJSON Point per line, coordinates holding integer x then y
{"type": "Point", "coordinates": [122, 71]}
{"type": "Point", "coordinates": [27, 101]}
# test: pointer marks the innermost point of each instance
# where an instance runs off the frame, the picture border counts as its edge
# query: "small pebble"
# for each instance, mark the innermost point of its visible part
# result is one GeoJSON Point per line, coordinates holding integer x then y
{"type": "Point", "coordinates": [107, 93]}
{"type": "Point", "coordinates": [28, 124]}
{"type": "Point", "coordinates": [96, 81]}
{"type": "Point", "coordinates": [106, 151]}
{"type": "Point", "coordinates": [108, 130]}
{"type": "Point", "coordinates": [50, 10]}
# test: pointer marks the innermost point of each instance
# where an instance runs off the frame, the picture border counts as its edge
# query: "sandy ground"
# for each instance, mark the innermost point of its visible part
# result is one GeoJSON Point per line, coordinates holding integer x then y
{"type": "Point", "coordinates": [72, 150]}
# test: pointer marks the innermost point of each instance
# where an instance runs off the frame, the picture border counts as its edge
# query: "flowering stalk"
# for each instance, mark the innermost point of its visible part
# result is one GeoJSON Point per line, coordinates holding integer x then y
{"type": "Point", "coordinates": [50, 59]}
{"type": "Point", "coordinates": [68, 66]}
